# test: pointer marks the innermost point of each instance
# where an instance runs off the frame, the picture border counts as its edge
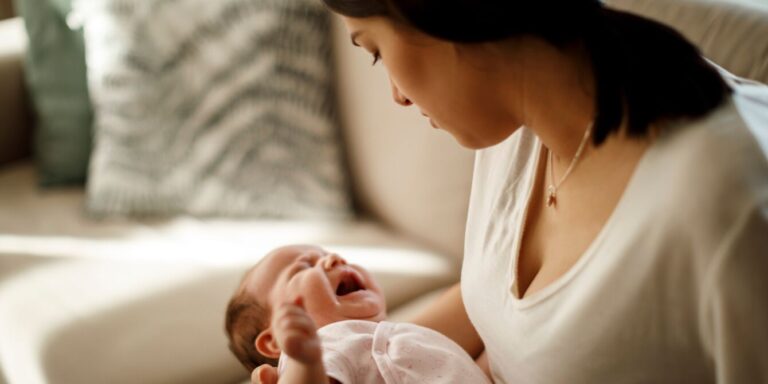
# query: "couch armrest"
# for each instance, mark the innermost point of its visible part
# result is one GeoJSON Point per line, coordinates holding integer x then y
{"type": "Point", "coordinates": [15, 122]}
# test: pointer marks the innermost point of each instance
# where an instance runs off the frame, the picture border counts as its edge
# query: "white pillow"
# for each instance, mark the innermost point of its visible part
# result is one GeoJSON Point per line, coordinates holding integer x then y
{"type": "Point", "coordinates": [212, 108]}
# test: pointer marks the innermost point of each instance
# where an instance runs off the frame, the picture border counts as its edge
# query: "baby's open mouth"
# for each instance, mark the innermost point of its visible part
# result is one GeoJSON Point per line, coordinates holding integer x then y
{"type": "Point", "coordinates": [349, 283]}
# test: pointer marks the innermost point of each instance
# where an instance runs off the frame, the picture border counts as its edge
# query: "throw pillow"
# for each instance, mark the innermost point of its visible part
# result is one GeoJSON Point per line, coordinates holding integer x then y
{"type": "Point", "coordinates": [55, 75]}
{"type": "Point", "coordinates": [213, 108]}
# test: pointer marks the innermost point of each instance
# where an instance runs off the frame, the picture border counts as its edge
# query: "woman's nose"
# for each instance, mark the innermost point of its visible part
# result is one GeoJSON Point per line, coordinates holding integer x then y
{"type": "Point", "coordinates": [332, 260]}
{"type": "Point", "coordinates": [399, 97]}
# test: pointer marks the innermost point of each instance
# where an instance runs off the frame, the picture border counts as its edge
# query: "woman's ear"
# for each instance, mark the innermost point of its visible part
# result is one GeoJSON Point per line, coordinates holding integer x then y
{"type": "Point", "coordinates": [266, 344]}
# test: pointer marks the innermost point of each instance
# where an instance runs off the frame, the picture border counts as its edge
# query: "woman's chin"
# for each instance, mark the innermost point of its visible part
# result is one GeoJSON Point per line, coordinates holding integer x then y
{"type": "Point", "coordinates": [469, 143]}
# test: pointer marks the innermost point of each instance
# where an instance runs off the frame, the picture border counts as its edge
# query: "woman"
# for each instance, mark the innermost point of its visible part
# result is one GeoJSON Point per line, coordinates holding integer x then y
{"type": "Point", "coordinates": [618, 224]}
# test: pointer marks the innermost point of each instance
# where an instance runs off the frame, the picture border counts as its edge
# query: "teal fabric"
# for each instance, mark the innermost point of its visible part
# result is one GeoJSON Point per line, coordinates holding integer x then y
{"type": "Point", "coordinates": [56, 78]}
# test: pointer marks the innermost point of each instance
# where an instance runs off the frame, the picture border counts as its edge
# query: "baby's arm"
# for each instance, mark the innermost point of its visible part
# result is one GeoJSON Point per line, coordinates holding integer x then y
{"type": "Point", "coordinates": [296, 335]}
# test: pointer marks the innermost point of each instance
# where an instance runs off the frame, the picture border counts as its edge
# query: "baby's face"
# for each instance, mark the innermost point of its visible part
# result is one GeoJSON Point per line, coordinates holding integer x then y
{"type": "Point", "coordinates": [331, 289]}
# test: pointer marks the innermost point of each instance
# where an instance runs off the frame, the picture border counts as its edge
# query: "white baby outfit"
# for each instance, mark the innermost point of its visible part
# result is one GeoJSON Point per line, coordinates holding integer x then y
{"type": "Point", "coordinates": [366, 352]}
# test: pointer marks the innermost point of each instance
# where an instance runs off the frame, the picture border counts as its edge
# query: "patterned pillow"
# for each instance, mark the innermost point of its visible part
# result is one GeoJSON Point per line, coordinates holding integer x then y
{"type": "Point", "coordinates": [212, 108]}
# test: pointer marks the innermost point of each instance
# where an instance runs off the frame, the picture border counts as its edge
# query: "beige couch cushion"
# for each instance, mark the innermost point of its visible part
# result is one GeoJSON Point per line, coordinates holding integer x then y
{"type": "Point", "coordinates": [143, 302]}
{"type": "Point", "coordinates": [121, 321]}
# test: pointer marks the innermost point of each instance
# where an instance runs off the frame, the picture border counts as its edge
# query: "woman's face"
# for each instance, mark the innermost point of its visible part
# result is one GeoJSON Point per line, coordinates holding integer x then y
{"type": "Point", "coordinates": [458, 93]}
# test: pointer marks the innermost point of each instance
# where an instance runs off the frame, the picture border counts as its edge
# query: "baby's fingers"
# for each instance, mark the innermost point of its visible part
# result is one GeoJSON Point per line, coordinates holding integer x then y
{"type": "Point", "coordinates": [296, 333]}
{"type": "Point", "coordinates": [291, 317]}
{"type": "Point", "coordinates": [299, 347]}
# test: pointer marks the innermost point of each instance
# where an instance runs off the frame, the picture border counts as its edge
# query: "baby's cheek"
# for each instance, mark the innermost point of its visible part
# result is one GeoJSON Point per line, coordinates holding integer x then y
{"type": "Point", "coordinates": [373, 285]}
{"type": "Point", "coordinates": [323, 313]}
{"type": "Point", "coordinates": [317, 291]}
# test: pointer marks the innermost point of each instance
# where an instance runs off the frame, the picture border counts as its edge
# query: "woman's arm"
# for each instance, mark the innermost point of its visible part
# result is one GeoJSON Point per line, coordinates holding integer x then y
{"type": "Point", "coordinates": [483, 363]}
{"type": "Point", "coordinates": [735, 310]}
{"type": "Point", "coordinates": [448, 316]}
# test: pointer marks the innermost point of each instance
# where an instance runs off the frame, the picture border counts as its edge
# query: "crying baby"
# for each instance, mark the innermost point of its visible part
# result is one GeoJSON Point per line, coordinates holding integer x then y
{"type": "Point", "coordinates": [319, 319]}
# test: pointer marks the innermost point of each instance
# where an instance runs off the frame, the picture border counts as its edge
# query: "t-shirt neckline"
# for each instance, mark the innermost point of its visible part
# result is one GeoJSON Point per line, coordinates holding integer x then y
{"type": "Point", "coordinates": [549, 290]}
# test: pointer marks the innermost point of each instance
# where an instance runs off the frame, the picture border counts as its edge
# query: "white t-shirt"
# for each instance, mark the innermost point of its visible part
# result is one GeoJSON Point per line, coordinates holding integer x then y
{"type": "Point", "coordinates": [366, 352]}
{"type": "Point", "coordinates": [673, 289]}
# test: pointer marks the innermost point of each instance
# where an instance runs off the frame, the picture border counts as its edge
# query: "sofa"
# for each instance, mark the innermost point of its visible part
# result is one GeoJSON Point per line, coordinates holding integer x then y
{"type": "Point", "coordinates": [86, 300]}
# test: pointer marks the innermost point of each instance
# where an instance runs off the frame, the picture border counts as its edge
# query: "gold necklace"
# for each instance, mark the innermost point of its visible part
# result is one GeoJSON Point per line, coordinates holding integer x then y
{"type": "Point", "coordinates": [552, 189]}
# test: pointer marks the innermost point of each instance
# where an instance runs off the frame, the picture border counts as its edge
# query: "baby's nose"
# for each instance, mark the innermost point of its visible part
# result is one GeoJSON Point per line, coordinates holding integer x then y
{"type": "Point", "coordinates": [332, 260]}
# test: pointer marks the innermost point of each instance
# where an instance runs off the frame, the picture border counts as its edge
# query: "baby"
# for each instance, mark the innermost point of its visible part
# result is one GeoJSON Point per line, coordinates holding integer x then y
{"type": "Point", "coordinates": [283, 300]}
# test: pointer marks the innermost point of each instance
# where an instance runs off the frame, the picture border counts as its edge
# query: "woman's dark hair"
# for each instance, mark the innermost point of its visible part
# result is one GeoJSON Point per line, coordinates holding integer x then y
{"type": "Point", "coordinates": [644, 71]}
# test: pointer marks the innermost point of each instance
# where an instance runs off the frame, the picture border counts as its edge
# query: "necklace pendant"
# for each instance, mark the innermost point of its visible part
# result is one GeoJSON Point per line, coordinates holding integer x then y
{"type": "Point", "coordinates": [551, 196]}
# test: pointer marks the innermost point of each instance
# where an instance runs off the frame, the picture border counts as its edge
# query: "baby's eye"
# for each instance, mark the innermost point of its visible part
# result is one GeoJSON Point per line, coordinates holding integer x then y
{"type": "Point", "coordinates": [309, 259]}
{"type": "Point", "coordinates": [299, 265]}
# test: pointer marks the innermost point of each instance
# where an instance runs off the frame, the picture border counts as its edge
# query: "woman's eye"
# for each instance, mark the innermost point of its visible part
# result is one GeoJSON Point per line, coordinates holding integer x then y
{"type": "Point", "coordinates": [376, 58]}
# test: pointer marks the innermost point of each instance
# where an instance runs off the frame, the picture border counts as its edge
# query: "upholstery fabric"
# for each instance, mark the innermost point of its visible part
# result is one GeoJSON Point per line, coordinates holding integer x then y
{"type": "Point", "coordinates": [126, 301]}
{"type": "Point", "coordinates": [213, 109]}
{"type": "Point", "coordinates": [55, 75]}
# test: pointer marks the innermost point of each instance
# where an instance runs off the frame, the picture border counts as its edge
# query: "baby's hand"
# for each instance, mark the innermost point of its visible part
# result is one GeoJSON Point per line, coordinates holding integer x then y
{"type": "Point", "coordinates": [296, 333]}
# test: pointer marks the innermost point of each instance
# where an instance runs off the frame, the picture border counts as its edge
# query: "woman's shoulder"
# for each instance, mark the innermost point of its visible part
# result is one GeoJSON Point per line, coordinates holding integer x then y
{"type": "Point", "coordinates": [715, 167]}
{"type": "Point", "coordinates": [732, 141]}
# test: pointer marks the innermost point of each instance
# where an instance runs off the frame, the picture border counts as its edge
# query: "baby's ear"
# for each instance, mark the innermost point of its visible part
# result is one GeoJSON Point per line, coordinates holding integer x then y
{"type": "Point", "coordinates": [266, 344]}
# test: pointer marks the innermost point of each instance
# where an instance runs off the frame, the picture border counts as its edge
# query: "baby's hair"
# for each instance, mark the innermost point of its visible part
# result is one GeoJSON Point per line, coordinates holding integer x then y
{"type": "Point", "coordinates": [246, 318]}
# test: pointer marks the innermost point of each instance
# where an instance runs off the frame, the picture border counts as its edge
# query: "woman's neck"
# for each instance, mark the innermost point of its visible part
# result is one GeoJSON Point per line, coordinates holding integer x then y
{"type": "Point", "coordinates": [557, 96]}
